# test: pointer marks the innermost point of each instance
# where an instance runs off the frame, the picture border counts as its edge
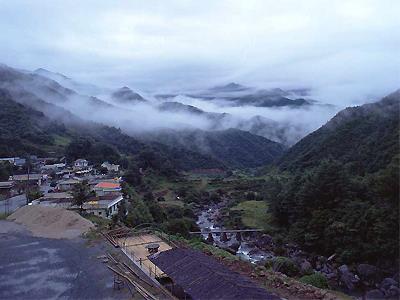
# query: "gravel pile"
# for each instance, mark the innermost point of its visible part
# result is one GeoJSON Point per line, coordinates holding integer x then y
{"type": "Point", "coordinates": [51, 222]}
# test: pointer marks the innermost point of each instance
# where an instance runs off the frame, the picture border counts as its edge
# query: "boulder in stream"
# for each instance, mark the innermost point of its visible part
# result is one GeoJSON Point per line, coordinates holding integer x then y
{"type": "Point", "coordinates": [347, 278]}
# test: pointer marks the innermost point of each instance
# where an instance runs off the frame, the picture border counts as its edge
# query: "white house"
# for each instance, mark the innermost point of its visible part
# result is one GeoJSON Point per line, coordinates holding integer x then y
{"type": "Point", "coordinates": [104, 206]}
{"type": "Point", "coordinates": [110, 167]}
{"type": "Point", "coordinates": [81, 163]}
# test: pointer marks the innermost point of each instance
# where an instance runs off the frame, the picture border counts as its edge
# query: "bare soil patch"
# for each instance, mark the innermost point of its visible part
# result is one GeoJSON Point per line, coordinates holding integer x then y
{"type": "Point", "coordinates": [51, 222]}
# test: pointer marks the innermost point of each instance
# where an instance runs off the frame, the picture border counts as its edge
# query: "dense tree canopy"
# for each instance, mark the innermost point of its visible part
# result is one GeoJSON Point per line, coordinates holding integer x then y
{"type": "Point", "coordinates": [365, 138]}
{"type": "Point", "coordinates": [327, 210]}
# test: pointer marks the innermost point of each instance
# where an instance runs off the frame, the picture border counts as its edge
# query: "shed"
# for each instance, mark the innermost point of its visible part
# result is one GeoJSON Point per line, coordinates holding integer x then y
{"type": "Point", "coordinates": [202, 277]}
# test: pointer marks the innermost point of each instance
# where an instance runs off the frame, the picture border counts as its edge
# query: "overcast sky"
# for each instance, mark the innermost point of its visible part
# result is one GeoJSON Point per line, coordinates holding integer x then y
{"type": "Point", "coordinates": [348, 50]}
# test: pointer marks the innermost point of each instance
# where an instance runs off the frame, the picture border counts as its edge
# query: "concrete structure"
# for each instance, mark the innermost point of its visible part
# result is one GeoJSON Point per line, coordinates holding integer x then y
{"type": "Point", "coordinates": [104, 206]}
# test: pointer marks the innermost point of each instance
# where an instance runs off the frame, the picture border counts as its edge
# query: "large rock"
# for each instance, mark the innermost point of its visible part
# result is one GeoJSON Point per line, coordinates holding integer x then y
{"type": "Point", "coordinates": [374, 294]}
{"type": "Point", "coordinates": [306, 268]}
{"type": "Point", "coordinates": [393, 291]}
{"type": "Point", "coordinates": [347, 278]}
{"type": "Point", "coordinates": [368, 274]}
{"type": "Point", "coordinates": [264, 241]}
{"type": "Point", "coordinates": [387, 283]}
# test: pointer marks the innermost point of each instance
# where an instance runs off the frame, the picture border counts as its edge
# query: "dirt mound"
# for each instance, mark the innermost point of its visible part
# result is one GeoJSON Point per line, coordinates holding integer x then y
{"type": "Point", "coordinates": [51, 222]}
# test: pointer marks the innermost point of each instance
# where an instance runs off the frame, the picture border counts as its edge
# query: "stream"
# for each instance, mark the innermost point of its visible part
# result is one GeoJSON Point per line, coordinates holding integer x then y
{"type": "Point", "coordinates": [246, 250]}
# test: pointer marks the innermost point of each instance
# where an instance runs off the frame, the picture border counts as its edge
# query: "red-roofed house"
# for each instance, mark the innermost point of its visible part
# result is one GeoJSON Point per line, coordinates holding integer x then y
{"type": "Point", "coordinates": [106, 187]}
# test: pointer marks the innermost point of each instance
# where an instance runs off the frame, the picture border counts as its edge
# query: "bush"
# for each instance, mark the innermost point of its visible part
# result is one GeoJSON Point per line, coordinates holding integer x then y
{"type": "Point", "coordinates": [180, 226]}
{"type": "Point", "coordinates": [285, 265]}
{"type": "Point", "coordinates": [317, 279]}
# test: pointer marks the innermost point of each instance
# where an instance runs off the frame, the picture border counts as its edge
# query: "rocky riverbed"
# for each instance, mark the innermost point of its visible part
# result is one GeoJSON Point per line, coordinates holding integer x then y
{"type": "Point", "coordinates": [359, 280]}
{"type": "Point", "coordinates": [243, 245]}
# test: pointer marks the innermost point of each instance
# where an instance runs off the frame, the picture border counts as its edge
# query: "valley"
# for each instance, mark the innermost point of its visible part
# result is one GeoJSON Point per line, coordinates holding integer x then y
{"type": "Point", "coordinates": [307, 209]}
{"type": "Point", "coordinates": [200, 150]}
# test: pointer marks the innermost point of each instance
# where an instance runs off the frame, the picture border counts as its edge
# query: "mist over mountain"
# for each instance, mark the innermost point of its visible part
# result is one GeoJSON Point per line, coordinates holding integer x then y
{"type": "Point", "coordinates": [261, 137]}
{"type": "Point", "coordinates": [365, 137]}
{"type": "Point", "coordinates": [127, 110]}
{"type": "Point", "coordinates": [212, 109]}
{"type": "Point", "coordinates": [125, 94]}
{"type": "Point", "coordinates": [236, 148]}
{"type": "Point", "coordinates": [83, 88]}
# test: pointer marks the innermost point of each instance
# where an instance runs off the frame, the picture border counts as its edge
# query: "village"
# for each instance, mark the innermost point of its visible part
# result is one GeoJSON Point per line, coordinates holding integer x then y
{"type": "Point", "coordinates": [145, 261]}
{"type": "Point", "coordinates": [77, 201]}
{"type": "Point", "coordinates": [51, 182]}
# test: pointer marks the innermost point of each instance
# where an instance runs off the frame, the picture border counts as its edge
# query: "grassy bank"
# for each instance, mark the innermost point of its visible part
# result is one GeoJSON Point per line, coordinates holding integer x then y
{"type": "Point", "coordinates": [253, 214]}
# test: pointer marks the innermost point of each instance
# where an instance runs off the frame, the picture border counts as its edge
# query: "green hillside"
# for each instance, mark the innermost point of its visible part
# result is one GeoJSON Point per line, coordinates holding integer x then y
{"type": "Point", "coordinates": [366, 138]}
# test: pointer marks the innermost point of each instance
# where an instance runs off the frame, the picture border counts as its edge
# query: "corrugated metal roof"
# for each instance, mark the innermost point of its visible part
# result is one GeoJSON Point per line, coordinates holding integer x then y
{"type": "Point", "coordinates": [203, 277]}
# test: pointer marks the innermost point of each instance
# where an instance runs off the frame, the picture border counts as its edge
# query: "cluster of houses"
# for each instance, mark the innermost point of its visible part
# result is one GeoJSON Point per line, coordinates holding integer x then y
{"type": "Point", "coordinates": [57, 181]}
{"type": "Point", "coordinates": [104, 200]}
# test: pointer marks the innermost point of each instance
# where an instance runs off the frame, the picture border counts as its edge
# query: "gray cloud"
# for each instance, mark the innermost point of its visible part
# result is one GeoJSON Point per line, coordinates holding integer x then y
{"type": "Point", "coordinates": [347, 51]}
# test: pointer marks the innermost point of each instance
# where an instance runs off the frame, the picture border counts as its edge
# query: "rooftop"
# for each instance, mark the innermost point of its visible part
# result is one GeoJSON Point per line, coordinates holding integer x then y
{"type": "Point", "coordinates": [69, 181]}
{"type": "Point", "coordinates": [26, 176]}
{"type": "Point", "coordinates": [81, 160]}
{"type": "Point", "coordinates": [54, 196]}
{"type": "Point", "coordinates": [6, 184]}
{"type": "Point", "coordinates": [203, 277]}
{"type": "Point", "coordinates": [102, 201]}
{"type": "Point", "coordinates": [108, 185]}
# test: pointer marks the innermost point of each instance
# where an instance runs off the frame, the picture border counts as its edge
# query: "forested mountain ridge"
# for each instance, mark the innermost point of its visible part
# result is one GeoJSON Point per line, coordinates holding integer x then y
{"type": "Point", "coordinates": [366, 138]}
{"type": "Point", "coordinates": [236, 148]}
{"type": "Point", "coordinates": [79, 113]}
{"type": "Point", "coordinates": [25, 130]}
{"type": "Point", "coordinates": [22, 129]}
{"type": "Point", "coordinates": [339, 192]}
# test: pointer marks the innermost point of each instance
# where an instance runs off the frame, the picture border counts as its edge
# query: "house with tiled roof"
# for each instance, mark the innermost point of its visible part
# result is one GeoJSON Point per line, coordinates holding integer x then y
{"type": "Point", "coordinates": [107, 187]}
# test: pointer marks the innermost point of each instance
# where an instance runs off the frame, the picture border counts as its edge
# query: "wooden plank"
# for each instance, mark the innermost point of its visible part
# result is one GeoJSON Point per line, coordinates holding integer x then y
{"type": "Point", "coordinates": [226, 231]}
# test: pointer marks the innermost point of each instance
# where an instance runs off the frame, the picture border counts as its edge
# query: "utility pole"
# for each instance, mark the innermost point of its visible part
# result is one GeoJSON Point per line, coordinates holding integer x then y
{"type": "Point", "coordinates": [27, 181]}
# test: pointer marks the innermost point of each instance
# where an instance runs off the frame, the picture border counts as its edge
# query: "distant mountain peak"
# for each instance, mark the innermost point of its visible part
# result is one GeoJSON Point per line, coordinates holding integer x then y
{"type": "Point", "coordinates": [233, 85]}
{"type": "Point", "coordinates": [125, 88]}
{"type": "Point", "coordinates": [47, 73]}
{"type": "Point", "coordinates": [125, 94]}
{"type": "Point", "coordinates": [174, 106]}
{"type": "Point", "coordinates": [230, 87]}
